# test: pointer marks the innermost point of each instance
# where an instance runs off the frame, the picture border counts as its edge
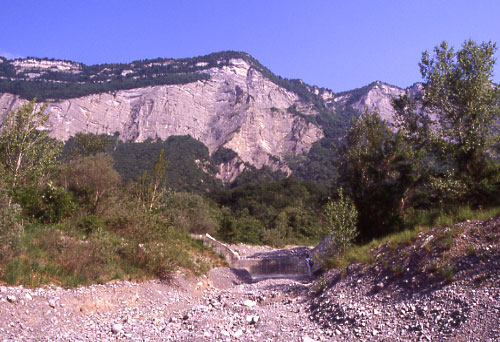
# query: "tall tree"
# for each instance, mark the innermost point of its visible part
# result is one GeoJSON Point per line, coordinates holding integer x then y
{"type": "Point", "coordinates": [457, 115]}
{"type": "Point", "coordinates": [151, 186]}
{"type": "Point", "coordinates": [26, 151]}
{"type": "Point", "coordinates": [379, 168]}
{"type": "Point", "coordinates": [86, 144]}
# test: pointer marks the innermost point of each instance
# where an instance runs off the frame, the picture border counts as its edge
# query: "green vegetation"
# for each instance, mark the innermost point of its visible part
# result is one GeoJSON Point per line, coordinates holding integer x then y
{"type": "Point", "coordinates": [417, 222]}
{"type": "Point", "coordinates": [380, 169]}
{"type": "Point", "coordinates": [277, 213]}
{"type": "Point", "coordinates": [461, 135]}
{"type": "Point", "coordinates": [342, 219]}
{"type": "Point", "coordinates": [108, 209]}
{"type": "Point", "coordinates": [440, 167]}
{"type": "Point", "coordinates": [72, 221]}
{"type": "Point", "coordinates": [190, 167]}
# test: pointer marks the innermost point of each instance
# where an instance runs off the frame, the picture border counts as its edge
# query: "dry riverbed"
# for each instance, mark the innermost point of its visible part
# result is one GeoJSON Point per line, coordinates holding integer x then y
{"type": "Point", "coordinates": [375, 302]}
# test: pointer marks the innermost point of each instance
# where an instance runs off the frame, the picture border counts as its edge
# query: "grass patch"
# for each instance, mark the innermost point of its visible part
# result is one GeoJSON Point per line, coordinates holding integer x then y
{"type": "Point", "coordinates": [417, 221]}
{"type": "Point", "coordinates": [69, 256]}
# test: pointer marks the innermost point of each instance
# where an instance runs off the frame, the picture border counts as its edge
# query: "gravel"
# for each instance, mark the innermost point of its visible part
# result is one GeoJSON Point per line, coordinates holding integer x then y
{"type": "Point", "coordinates": [358, 304]}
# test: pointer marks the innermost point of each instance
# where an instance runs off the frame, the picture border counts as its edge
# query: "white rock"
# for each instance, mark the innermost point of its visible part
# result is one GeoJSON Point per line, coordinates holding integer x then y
{"type": "Point", "coordinates": [307, 339]}
{"type": "Point", "coordinates": [252, 319]}
{"type": "Point", "coordinates": [28, 296]}
{"type": "Point", "coordinates": [238, 333]}
{"type": "Point", "coordinates": [249, 303]}
{"type": "Point", "coordinates": [116, 328]}
{"type": "Point", "coordinates": [225, 333]}
{"type": "Point", "coordinates": [209, 111]}
{"type": "Point", "coordinates": [11, 298]}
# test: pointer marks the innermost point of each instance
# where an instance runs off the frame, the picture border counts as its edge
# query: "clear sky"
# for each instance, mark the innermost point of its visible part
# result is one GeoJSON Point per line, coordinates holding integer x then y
{"type": "Point", "coordinates": [336, 44]}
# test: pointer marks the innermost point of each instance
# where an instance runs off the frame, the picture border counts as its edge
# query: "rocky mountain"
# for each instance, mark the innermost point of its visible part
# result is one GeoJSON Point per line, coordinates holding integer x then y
{"type": "Point", "coordinates": [225, 99]}
{"type": "Point", "coordinates": [376, 95]}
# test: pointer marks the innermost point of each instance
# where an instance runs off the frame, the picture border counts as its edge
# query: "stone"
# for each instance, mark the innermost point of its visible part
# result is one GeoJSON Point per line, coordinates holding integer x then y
{"type": "Point", "coordinates": [249, 303]}
{"type": "Point", "coordinates": [308, 339]}
{"type": "Point", "coordinates": [11, 298]}
{"type": "Point", "coordinates": [52, 303]}
{"type": "Point", "coordinates": [28, 296]}
{"type": "Point", "coordinates": [238, 333]}
{"type": "Point", "coordinates": [116, 328]}
{"type": "Point", "coordinates": [252, 319]}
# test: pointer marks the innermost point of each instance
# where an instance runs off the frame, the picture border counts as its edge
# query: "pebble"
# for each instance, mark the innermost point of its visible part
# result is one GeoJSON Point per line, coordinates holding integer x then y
{"type": "Point", "coordinates": [249, 303]}
{"type": "Point", "coordinates": [288, 310]}
{"type": "Point", "coordinates": [116, 328]}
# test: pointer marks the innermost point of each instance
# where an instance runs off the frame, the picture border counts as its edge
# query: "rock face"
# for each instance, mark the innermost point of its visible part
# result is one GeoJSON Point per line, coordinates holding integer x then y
{"type": "Point", "coordinates": [235, 103]}
{"type": "Point", "coordinates": [237, 108]}
{"type": "Point", "coordinates": [377, 95]}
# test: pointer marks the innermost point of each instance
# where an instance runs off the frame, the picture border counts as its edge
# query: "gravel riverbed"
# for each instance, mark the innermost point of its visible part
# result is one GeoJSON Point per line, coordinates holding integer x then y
{"type": "Point", "coordinates": [376, 302]}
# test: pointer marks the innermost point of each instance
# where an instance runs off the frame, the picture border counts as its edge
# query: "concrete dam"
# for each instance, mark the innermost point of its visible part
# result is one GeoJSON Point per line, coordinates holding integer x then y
{"type": "Point", "coordinates": [280, 263]}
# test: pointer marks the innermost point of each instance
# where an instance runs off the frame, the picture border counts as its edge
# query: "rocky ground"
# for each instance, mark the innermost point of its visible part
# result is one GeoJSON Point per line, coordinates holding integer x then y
{"type": "Point", "coordinates": [401, 296]}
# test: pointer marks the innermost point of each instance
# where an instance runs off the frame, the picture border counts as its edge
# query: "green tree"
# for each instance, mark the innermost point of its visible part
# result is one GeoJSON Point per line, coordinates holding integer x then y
{"type": "Point", "coordinates": [342, 218]}
{"type": "Point", "coordinates": [26, 151]}
{"type": "Point", "coordinates": [456, 118]}
{"type": "Point", "coordinates": [87, 144]}
{"type": "Point", "coordinates": [151, 186]}
{"type": "Point", "coordinates": [91, 179]}
{"type": "Point", "coordinates": [380, 169]}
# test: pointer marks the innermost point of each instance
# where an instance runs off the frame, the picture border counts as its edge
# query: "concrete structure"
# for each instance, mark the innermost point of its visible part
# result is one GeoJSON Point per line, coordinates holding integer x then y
{"type": "Point", "coordinates": [285, 263]}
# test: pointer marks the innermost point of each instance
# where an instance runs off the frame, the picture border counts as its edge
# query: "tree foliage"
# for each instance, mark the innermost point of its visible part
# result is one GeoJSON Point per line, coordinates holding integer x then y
{"type": "Point", "coordinates": [26, 151]}
{"type": "Point", "coordinates": [379, 168]}
{"type": "Point", "coordinates": [342, 218]}
{"type": "Point", "coordinates": [457, 117]}
{"type": "Point", "coordinates": [86, 144]}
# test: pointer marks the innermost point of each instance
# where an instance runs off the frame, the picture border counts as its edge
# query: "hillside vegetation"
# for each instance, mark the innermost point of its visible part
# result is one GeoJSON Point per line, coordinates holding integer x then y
{"type": "Point", "coordinates": [99, 208]}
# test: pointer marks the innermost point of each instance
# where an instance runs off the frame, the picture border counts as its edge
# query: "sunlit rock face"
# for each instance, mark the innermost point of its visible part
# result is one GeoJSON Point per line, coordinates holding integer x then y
{"type": "Point", "coordinates": [236, 108]}
{"type": "Point", "coordinates": [376, 96]}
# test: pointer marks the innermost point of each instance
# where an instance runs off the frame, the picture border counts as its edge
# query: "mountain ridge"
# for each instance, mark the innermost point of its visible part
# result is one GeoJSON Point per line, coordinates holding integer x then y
{"type": "Point", "coordinates": [220, 100]}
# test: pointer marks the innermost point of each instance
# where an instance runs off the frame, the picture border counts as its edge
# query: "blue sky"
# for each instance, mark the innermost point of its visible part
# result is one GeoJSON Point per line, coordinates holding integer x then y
{"type": "Point", "coordinates": [340, 45]}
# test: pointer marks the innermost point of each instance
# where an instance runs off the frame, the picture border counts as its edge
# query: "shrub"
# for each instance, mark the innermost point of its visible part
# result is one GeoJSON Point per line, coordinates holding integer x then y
{"type": "Point", "coordinates": [342, 218]}
{"type": "Point", "coordinates": [90, 224]}
{"type": "Point", "coordinates": [190, 213]}
{"type": "Point", "coordinates": [11, 230]}
{"type": "Point", "coordinates": [49, 204]}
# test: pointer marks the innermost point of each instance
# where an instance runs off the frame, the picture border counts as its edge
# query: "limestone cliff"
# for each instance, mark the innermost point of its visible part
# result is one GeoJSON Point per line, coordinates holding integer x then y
{"type": "Point", "coordinates": [237, 107]}
{"type": "Point", "coordinates": [377, 95]}
{"type": "Point", "coordinates": [226, 99]}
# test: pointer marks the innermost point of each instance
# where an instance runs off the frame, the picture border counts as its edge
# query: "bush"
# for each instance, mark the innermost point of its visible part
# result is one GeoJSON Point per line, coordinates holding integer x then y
{"type": "Point", "coordinates": [90, 224]}
{"type": "Point", "coordinates": [11, 229]}
{"type": "Point", "coordinates": [49, 204]}
{"type": "Point", "coordinates": [342, 218]}
{"type": "Point", "coordinates": [92, 180]}
{"type": "Point", "coordinates": [190, 213]}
